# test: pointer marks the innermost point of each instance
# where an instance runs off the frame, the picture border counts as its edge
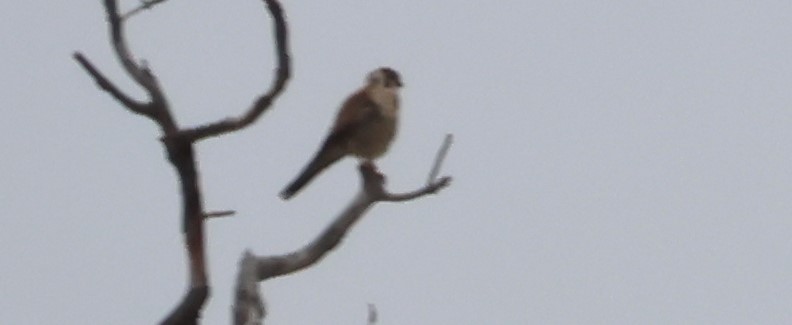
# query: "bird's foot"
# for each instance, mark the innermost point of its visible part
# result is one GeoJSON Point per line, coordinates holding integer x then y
{"type": "Point", "coordinates": [368, 164]}
{"type": "Point", "coordinates": [371, 176]}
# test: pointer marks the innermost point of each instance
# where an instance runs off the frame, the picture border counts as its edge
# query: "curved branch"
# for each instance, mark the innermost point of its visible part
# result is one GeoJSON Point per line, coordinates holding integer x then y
{"type": "Point", "coordinates": [248, 302]}
{"type": "Point", "coordinates": [106, 85]}
{"type": "Point", "coordinates": [282, 74]}
{"type": "Point", "coordinates": [430, 188]}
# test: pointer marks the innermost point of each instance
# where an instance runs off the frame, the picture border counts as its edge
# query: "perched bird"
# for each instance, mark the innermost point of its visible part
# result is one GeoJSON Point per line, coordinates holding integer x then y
{"type": "Point", "coordinates": [364, 127]}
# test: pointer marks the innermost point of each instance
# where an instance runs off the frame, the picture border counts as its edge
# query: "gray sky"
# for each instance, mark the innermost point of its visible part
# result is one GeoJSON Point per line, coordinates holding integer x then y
{"type": "Point", "coordinates": [615, 162]}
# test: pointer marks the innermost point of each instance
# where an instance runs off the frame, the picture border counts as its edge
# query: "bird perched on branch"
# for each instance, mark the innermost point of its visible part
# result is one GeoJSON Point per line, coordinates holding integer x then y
{"type": "Point", "coordinates": [364, 127]}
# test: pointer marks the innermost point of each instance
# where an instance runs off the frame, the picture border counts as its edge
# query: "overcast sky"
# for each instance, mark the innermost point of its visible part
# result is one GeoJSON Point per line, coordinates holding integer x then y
{"type": "Point", "coordinates": [615, 162]}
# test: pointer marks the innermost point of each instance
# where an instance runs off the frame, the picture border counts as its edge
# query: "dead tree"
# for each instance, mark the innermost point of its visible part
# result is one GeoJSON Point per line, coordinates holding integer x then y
{"type": "Point", "coordinates": [179, 144]}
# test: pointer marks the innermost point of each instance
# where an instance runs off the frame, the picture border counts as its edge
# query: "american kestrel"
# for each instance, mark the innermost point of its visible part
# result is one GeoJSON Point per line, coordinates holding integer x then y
{"type": "Point", "coordinates": [364, 127]}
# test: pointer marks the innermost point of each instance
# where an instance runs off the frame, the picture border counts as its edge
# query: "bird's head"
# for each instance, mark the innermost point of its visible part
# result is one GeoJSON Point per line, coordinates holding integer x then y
{"type": "Point", "coordinates": [384, 77]}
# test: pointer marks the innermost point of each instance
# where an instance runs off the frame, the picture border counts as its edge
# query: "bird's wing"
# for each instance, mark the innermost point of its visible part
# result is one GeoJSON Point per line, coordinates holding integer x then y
{"type": "Point", "coordinates": [357, 110]}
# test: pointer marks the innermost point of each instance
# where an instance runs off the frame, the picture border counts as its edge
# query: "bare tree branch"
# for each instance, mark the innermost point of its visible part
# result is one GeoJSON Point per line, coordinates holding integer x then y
{"type": "Point", "coordinates": [249, 308]}
{"type": "Point", "coordinates": [430, 188]}
{"type": "Point", "coordinates": [144, 4]}
{"type": "Point", "coordinates": [219, 214]}
{"type": "Point", "coordinates": [104, 83]}
{"type": "Point", "coordinates": [441, 154]}
{"type": "Point", "coordinates": [372, 191]}
{"type": "Point", "coordinates": [282, 75]}
{"type": "Point", "coordinates": [186, 312]}
{"type": "Point", "coordinates": [157, 108]}
{"type": "Point", "coordinates": [140, 73]}
{"type": "Point", "coordinates": [180, 149]}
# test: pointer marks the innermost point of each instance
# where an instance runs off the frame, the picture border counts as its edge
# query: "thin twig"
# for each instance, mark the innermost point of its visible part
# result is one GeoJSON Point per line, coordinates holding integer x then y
{"type": "Point", "coordinates": [106, 85]}
{"type": "Point", "coordinates": [144, 4]}
{"type": "Point", "coordinates": [219, 214]}
{"type": "Point", "coordinates": [441, 154]}
{"type": "Point", "coordinates": [430, 188]}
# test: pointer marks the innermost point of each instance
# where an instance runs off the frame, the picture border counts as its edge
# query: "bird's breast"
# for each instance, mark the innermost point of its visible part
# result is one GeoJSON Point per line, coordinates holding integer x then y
{"type": "Point", "coordinates": [374, 138]}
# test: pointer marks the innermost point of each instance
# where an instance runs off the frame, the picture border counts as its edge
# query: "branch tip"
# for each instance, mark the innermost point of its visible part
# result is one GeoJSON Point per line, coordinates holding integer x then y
{"type": "Point", "coordinates": [441, 154]}
{"type": "Point", "coordinates": [219, 214]}
{"type": "Point", "coordinates": [144, 5]}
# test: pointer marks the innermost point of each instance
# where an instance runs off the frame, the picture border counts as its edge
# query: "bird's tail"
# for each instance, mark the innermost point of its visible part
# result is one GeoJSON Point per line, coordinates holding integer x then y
{"type": "Point", "coordinates": [324, 158]}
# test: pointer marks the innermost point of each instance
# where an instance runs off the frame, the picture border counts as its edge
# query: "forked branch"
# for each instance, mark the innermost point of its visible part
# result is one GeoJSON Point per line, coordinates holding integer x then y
{"type": "Point", "coordinates": [179, 148]}
{"type": "Point", "coordinates": [157, 107]}
{"type": "Point", "coordinates": [249, 307]}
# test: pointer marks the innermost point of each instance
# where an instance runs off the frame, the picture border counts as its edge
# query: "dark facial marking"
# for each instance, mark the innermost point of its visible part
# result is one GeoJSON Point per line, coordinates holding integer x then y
{"type": "Point", "coordinates": [392, 77]}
